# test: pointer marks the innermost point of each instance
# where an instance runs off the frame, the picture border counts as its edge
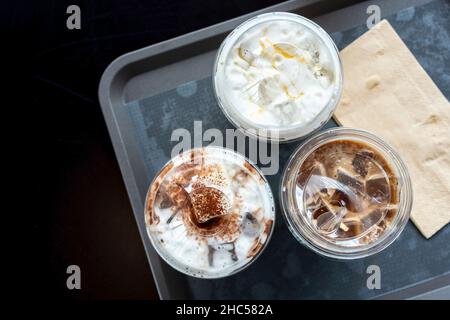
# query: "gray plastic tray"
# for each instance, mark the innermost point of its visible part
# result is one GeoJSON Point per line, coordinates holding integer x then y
{"type": "Point", "coordinates": [148, 93]}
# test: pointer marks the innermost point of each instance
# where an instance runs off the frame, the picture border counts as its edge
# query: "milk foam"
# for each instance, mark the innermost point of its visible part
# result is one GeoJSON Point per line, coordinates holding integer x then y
{"type": "Point", "coordinates": [216, 255]}
{"type": "Point", "coordinates": [277, 74]}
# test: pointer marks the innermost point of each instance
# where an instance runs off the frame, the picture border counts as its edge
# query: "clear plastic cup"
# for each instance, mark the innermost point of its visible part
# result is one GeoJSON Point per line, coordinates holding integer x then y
{"type": "Point", "coordinates": [346, 194]}
{"type": "Point", "coordinates": [301, 114]}
{"type": "Point", "coordinates": [209, 212]}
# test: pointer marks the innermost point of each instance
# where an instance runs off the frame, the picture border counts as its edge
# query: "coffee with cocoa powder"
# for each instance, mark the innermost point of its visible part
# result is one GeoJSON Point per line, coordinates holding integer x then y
{"type": "Point", "coordinates": [349, 192]}
{"type": "Point", "coordinates": [209, 212]}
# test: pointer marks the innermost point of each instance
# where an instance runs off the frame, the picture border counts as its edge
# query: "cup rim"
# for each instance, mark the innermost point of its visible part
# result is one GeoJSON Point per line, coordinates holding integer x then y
{"type": "Point", "coordinates": [275, 133]}
{"type": "Point", "coordinates": [179, 265]}
{"type": "Point", "coordinates": [319, 244]}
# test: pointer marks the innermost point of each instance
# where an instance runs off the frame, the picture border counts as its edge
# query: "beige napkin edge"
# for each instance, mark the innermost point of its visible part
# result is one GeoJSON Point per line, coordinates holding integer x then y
{"type": "Point", "coordinates": [430, 90]}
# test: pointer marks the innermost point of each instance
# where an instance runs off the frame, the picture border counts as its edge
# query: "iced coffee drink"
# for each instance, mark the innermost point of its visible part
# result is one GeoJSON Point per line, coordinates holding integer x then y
{"type": "Point", "coordinates": [346, 194]}
{"type": "Point", "coordinates": [209, 212]}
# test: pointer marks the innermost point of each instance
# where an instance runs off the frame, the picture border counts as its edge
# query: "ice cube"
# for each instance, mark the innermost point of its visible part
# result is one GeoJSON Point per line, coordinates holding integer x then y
{"type": "Point", "coordinates": [377, 187]}
{"type": "Point", "coordinates": [373, 218]}
{"type": "Point", "coordinates": [346, 178]}
{"type": "Point", "coordinates": [319, 169]}
{"type": "Point", "coordinates": [164, 199]}
{"type": "Point", "coordinates": [321, 209]}
{"type": "Point", "coordinates": [361, 162]}
{"type": "Point", "coordinates": [350, 229]}
{"type": "Point", "coordinates": [343, 199]}
{"type": "Point", "coordinates": [251, 226]}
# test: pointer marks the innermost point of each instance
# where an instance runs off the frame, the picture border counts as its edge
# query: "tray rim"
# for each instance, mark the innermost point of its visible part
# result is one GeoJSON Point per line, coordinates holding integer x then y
{"type": "Point", "coordinates": [112, 84]}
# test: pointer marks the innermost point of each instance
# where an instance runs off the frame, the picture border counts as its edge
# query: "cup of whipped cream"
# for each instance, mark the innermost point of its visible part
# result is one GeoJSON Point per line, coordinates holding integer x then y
{"type": "Point", "coordinates": [278, 76]}
{"type": "Point", "coordinates": [209, 212]}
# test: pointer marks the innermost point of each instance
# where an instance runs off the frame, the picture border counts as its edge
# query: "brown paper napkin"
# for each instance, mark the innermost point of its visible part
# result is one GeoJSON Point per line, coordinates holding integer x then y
{"type": "Point", "coordinates": [388, 93]}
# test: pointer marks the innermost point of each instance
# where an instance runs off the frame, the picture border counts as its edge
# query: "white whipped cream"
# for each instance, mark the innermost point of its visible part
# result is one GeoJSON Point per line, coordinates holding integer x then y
{"type": "Point", "coordinates": [278, 74]}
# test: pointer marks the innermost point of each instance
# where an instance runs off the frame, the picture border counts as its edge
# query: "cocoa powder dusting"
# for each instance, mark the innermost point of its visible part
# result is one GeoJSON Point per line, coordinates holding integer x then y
{"type": "Point", "coordinates": [208, 203]}
{"type": "Point", "coordinates": [250, 168]}
{"type": "Point", "coordinates": [150, 215]}
{"type": "Point", "coordinates": [253, 171]}
{"type": "Point", "coordinates": [255, 248]}
{"type": "Point", "coordinates": [267, 226]}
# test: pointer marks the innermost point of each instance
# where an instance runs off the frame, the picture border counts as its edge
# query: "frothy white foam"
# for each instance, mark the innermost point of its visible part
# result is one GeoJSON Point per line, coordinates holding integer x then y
{"type": "Point", "coordinates": [277, 74]}
{"type": "Point", "coordinates": [214, 255]}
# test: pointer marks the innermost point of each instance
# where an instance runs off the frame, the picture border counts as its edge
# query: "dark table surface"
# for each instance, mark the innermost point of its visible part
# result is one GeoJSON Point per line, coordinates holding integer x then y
{"type": "Point", "coordinates": [81, 214]}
